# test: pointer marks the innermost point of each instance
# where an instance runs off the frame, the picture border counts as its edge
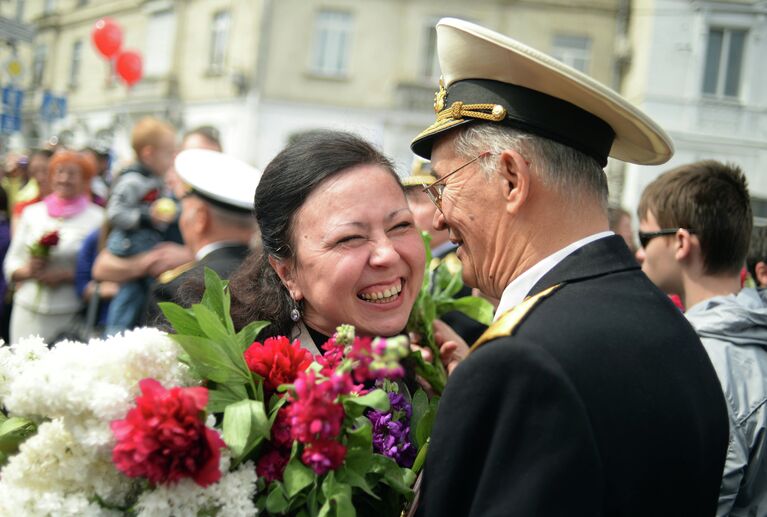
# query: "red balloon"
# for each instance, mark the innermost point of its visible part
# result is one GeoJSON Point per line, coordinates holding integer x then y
{"type": "Point", "coordinates": [107, 37]}
{"type": "Point", "coordinates": [129, 67]}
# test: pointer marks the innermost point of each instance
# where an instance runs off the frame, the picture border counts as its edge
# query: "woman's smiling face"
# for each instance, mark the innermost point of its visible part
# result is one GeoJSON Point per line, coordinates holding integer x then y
{"type": "Point", "coordinates": [358, 257]}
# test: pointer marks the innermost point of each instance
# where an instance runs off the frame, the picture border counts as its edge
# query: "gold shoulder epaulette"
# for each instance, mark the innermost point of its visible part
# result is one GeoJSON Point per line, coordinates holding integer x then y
{"type": "Point", "coordinates": [509, 320]}
{"type": "Point", "coordinates": [172, 274]}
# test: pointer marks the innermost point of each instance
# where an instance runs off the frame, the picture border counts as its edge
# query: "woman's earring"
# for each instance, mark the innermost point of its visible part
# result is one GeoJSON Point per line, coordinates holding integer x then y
{"type": "Point", "coordinates": [295, 314]}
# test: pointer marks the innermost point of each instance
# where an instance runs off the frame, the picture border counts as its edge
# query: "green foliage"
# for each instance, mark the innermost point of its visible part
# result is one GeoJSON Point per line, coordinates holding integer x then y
{"type": "Point", "coordinates": [13, 432]}
{"type": "Point", "coordinates": [434, 300]}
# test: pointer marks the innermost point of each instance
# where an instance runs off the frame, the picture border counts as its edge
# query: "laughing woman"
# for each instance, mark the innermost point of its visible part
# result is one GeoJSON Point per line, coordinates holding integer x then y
{"type": "Point", "coordinates": [339, 244]}
{"type": "Point", "coordinates": [46, 301]}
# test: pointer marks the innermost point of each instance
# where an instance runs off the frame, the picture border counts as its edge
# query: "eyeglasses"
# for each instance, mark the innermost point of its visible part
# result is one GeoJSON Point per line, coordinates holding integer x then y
{"type": "Point", "coordinates": [646, 237]}
{"type": "Point", "coordinates": [435, 190]}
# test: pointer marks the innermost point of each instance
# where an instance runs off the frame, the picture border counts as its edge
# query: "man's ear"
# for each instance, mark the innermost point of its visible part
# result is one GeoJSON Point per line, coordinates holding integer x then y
{"type": "Point", "coordinates": [761, 274]}
{"type": "Point", "coordinates": [687, 244]}
{"type": "Point", "coordinates": [516, 179]}
{"type": "Point", "coordinates": [284, 270]}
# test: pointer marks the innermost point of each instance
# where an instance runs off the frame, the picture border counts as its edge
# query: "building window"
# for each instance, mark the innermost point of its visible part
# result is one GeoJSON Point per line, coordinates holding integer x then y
{"type": "Point", "coordinates": [574, 51]}
{"type": "Point", "coordinates": [332, 42]}
{"type": "Point", "coordinates": [19, 10]}
{"type": "Point", "coordinates": [430, 64]}
{"type": "Point", "coordinates": [724, 60]}
{"type": "Point", "coordinates": [219, 39]}
{"type": "Point", "coordinates": [38, 65]}
{"type": "Point", "coordinates": [160, 35]}
{"type": "Point", "coordinates": [74, 67]}
{"type": "Point", "coordinates": [49, 6]}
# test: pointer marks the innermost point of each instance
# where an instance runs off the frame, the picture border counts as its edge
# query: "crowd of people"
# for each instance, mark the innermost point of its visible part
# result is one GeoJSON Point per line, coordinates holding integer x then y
{"type": "Point", "coordinates": [84, 247]}
{"type": "Point", "coordinates": [591, 393]}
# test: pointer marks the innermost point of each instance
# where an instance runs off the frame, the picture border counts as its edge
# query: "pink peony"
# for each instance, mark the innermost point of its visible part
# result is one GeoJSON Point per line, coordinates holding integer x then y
{"type": "Point", "coordinates": [164, 438]}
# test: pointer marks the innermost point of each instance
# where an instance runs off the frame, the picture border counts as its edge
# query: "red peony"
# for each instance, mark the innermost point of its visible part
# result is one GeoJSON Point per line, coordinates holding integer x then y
{"type": "Point", "coordinates": [314, 414]}
{"type": "Point", "coordinates": [278, 361]}
{"type": "Point", "coordinates": [271, 466]}
{"type": "Point", "coordinates": [165, 439]}
{"type": "Point", "coordinates": [323, 455]}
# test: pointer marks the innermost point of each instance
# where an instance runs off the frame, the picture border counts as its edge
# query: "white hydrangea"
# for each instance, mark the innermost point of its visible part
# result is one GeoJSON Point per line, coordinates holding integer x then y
{"type": "Point", "coordinates": [16, 358]}
{"type": "Point", "coordinates": [76, 390]}
{"type": "Point", "coordinates": [92, 384]}
{"type": "Point", "coordinates": [232, 496]}
{"type": "Point", "coordinates": [54, 474]}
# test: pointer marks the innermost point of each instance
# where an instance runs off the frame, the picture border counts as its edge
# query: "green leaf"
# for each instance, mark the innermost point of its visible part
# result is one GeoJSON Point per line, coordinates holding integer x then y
{"type": "Point", "coordinates": [376, 399]}
{"type": "Point", "coordinates": [339, 498]}
{"type": "Point", "coordinates": [355, 468]}
{"type": "Point", "coordinates": [473, 306]}
{"type": "Point", "coordinates": [393, 475]}
{"type": "Point", "coordinates": [13, 431]}
{"type": "Point", "coordinates": [361, 436]}
{"type": "Point", "coordinates": [223, 395]}
{"type": "Point", "coordinates": [423, 430]}
{"type": "Point", "coordinates": [210, 323]}
{"type": "Point", "coordinates": [245, 426]}
{"type": "Point", "coordinates": [213, 298]}
{"type": "Point", "coordinates": [210, 360]}
{"type": "Point", "coordinates": [420, 405]}
{"type": "Point", "coordinates": [297, 476]}
{"type": "Point", "coordinates": [446, 284]}
{"type": "Point", "coordinates": [276, 502]}
{"type": "Point", "coordinates": [249, 333]}
{"type": "Point", "coordinates": [182, 320]}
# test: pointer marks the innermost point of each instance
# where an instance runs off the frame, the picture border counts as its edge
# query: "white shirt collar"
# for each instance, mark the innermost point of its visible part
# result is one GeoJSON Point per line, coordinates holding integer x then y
{"type": "Point", "coordinates": [516, 291]}
{"type": "Point", "coordinates": [213, 246]}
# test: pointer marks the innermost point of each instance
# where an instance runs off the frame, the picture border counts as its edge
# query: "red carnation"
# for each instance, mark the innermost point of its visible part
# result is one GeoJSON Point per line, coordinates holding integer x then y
{"type": "Point", "coordinates": [165, 439]}
{"type": "Point", "coordinates": [278, 361]}
{"type": "Point", "coordinates": [271, 466]}
{"type": "Point", "coordinates": [324, 455]}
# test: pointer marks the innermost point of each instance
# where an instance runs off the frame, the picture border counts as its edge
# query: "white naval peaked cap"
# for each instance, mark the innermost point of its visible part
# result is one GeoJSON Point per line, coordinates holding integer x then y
{"type": "Point", "coordinates": [219, 178]}
{"type": "Point", "coordinates": [492, 77]}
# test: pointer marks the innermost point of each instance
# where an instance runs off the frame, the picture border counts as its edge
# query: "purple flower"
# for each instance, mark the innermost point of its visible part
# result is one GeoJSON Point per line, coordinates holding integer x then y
{"type": "Point", "coordinates": [391, 431]}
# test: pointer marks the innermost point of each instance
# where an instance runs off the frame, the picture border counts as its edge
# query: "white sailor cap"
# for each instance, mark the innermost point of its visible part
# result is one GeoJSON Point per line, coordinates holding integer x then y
{"type": "Point", "coordinates": [218, 178]}
{"type": "Point", "coordinates": [490, 77]}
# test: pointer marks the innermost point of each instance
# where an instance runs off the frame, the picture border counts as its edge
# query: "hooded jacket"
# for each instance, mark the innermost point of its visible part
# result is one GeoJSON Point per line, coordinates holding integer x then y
{"type": "Point", "coordinates": [733, 330]}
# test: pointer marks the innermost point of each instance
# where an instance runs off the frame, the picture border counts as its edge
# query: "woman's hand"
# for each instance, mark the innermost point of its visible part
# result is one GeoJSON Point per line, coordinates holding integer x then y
{"type": "Point", "coordinates": [52, 277]}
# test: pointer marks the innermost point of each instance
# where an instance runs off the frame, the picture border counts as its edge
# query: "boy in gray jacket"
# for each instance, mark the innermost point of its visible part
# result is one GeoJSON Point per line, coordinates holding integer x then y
{"type": "Point", "coordinates": [137, 225]}
{"type": "Point", "coordinates": [695, 227]}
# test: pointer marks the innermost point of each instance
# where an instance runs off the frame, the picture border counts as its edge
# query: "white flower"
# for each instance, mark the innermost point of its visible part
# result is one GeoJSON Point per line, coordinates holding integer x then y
{"type": "Point", "coordinates": [51, 466]}
{"type": "Point", "coordinates": [232, 496]}
{"type": "Point", "coordinates": [16, 358]}
{"type": "Point", "coordinates": [91, 384]}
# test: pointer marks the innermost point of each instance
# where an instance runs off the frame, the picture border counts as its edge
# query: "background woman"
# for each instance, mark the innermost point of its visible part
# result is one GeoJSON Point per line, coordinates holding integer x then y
{"type": "Point", "coordinates": [339, 244]}
{"type": "Point", "coordinates": [45, 300]}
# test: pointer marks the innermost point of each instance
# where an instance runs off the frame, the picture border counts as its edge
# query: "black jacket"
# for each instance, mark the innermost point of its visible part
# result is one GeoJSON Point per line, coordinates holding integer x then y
{"type": "Point", "coordinates": [601, 402]}
{"type": "Point", "coordinates": [189, 282]}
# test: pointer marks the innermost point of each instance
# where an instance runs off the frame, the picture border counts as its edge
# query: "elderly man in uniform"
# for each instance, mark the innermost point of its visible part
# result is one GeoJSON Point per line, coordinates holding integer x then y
{"type": "Point", "coordinates": [590, 394]}
{"type": "Point", "coordinates": [216, 221]}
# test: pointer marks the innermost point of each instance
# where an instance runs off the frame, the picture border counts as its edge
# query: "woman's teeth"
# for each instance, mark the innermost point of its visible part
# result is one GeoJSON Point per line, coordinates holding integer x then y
{"type": "Point", "coordinates": [385, 296]}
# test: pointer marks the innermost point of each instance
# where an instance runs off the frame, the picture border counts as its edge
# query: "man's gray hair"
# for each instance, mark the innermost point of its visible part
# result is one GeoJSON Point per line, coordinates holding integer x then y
{"type": "Point", "coordinates": [571, 173]}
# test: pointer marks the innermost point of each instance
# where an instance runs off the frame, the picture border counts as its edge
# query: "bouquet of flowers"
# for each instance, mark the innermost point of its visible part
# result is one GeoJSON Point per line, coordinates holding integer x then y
{"type": "Point", "coordinates": [42, 247]}
{"type": "Point", "coordinates": [209, 422]}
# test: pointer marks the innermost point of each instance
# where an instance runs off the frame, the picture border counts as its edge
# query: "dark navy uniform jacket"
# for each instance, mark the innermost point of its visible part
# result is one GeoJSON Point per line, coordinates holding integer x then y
{"type": "Point", "coordinates": [602, 401]}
